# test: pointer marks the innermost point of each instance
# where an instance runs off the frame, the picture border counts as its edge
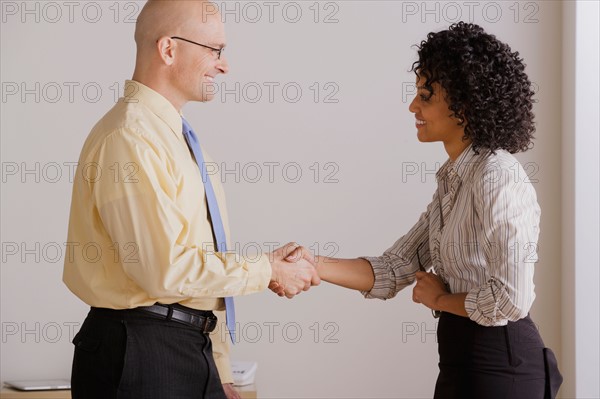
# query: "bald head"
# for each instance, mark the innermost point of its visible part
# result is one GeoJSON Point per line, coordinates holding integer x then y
{"type": "Point", "coordinates": [179, 45]}
{"type": "Point", "coordinates": [161, 18]}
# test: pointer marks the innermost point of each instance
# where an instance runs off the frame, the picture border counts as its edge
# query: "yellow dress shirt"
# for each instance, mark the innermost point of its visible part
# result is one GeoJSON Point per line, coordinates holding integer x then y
{"type": "Point", "coordinates": [139, 230]}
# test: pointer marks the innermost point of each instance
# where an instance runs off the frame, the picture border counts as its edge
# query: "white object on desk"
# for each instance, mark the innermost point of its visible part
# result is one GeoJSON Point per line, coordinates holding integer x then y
{"type": "Point", "coordinates": [39, 385]}
{"type": "Point", "coordinates": [243, 372]}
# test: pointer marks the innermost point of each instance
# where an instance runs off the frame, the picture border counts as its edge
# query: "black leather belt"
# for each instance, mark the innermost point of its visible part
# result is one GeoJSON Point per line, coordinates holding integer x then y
{"type": "Point", "coordinates": [203, 319]}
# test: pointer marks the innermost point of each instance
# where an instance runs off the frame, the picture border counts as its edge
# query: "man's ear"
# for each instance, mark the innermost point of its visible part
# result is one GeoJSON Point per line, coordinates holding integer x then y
{"type": "Point", "coordinates": [166, 49]}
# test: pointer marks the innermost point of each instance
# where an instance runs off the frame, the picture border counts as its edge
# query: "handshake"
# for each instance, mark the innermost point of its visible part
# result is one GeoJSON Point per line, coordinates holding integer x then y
{"type": "Point", "coordinates": [294, 270]}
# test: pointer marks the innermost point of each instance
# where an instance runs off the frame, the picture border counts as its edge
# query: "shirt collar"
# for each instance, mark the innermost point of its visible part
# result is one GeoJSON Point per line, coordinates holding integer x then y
{"type": "Point", "coordinates": [459, 167]}
{"type": "Point", "coordinates": [156, 102]}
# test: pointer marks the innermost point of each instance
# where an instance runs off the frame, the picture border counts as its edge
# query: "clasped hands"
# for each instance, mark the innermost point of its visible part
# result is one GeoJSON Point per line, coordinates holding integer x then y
{"type": "Point", "coordinates": [293, 270]}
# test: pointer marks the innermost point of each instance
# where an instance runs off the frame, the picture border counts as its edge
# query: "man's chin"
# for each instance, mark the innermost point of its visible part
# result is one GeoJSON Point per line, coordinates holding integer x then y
{"type": "Point", "coordinates": [208, 91]}
{"type": "Point", "coordinates": [204, 98]}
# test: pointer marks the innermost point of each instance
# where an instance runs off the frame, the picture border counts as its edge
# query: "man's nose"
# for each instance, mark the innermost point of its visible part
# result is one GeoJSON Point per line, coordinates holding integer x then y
{"type": "Point", "coordinates": [223, 65]}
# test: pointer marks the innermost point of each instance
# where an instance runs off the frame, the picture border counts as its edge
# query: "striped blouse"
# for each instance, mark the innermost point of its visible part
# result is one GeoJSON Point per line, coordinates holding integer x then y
{"type": "Point", "coordinates": [479, 234]}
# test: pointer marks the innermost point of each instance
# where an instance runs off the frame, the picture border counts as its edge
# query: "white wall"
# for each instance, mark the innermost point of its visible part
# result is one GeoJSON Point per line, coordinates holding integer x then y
{"type": "Point", "coordinates": [581, 176]}
{"type": "Point", "coordinates": [374, 177]}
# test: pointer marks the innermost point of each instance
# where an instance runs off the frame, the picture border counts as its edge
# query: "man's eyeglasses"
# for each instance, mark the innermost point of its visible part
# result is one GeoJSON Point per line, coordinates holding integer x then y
{"type": "Point", "coordinates": [217, 50]}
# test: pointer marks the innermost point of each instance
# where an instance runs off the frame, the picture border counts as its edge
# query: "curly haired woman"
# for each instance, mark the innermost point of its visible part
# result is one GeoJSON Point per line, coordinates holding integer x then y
{"type": "Point", "coordinates": [479, 234]}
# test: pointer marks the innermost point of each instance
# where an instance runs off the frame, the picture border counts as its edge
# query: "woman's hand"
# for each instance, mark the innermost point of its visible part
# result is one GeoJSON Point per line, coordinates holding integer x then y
{"type": "Point", "coordinates": [429, 289]}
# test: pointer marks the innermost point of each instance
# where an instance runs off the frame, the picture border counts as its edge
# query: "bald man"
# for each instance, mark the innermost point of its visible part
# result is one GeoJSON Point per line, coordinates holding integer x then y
{"type": "Point", "coordinates": [147, 227]}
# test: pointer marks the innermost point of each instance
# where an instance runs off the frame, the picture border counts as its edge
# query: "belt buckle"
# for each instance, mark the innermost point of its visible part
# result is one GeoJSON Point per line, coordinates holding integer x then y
{"type": "Point", "coordinates": [209, 325]}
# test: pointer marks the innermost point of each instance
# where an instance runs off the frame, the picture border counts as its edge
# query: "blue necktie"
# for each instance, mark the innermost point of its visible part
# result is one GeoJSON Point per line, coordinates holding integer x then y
{"type": "Point", "coordinates": [215, 215]}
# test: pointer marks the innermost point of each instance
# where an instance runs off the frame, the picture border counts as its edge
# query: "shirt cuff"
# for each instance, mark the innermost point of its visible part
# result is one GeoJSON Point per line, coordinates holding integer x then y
{"type": "Point", "coordinates": [224, 367]}
{"type": "Point", "coordinates": [383, 286]}
{"type": "Point", "coordinates": [259, 275]}
{"type": "Point", "coordinates": [480, 310]}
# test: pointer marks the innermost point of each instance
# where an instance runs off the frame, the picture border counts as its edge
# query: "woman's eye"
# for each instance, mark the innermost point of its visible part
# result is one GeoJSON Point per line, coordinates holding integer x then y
{"type": "Point", "coordinates": [425, 97]}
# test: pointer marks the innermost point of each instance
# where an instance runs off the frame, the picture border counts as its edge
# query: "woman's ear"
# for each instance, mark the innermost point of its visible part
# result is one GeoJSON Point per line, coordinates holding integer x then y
{"type": "Point", "coordinates": [461, 118]}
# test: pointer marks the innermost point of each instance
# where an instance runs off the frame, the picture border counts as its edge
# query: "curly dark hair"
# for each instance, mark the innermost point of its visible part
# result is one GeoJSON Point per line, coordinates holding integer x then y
{"type": "Point", "coordinates": [486, 86]}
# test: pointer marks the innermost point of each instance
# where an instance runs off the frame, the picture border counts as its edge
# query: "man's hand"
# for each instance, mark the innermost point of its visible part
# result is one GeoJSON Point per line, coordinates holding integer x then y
{"type": "Point", "coordinates": [293, 270]}
{"type": "Point", "coordinates": [230, 392]}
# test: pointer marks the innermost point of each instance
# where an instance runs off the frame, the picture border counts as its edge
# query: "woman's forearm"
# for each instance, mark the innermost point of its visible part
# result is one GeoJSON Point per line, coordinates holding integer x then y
{"type": "Point", "coordinates": [356, 274]}
{"type": "Point", "coordinates": [452, 303]}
